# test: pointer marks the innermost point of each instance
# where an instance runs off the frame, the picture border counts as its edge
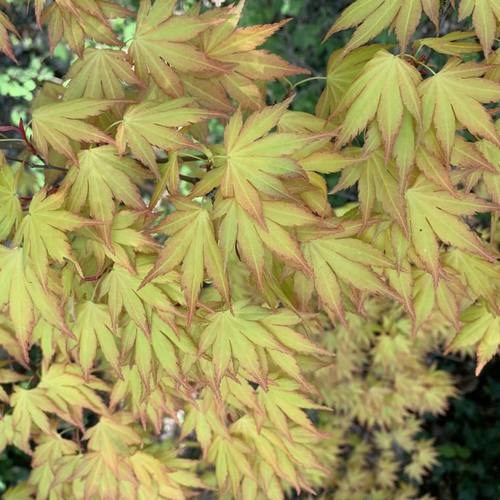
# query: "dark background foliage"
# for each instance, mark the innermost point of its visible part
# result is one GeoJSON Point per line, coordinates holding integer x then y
{"type": "Point", "coordinates": [468, 436]}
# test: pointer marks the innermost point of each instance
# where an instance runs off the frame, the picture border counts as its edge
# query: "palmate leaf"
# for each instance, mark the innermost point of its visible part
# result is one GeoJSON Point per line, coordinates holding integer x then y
{"type": "Point", "coordinates": [236, 49]}
{"type": "Point", "coordinates": [191, 242]}
{"type": "Point", "coordinates": [456, 94]}
{"type": "Point", "coordinates": [55, 124]}
{"type": "Point", "coordinates": [43, 232]}
{"type": "Point", "coordinates": [373, 16]}
{"type": "Point", "coordinates": [10, 206]}
{"type": "Point", "coordinates": [93, 328]}
{"type": "Point", "coordinates": [236, 336]}
{"type": "Point", "coordinates": [100, 74]}
{"type": "Point", "coordinates": [125, 238]}
{"type": "Point", "coordinates": [25, 298]}
{"type": "Point", "coordinates": [151, 124]}
{"type": "Point", "coordinates": [103, 177]}
{"type": "Point", "coordinates": [5, 27]}
{"type": "Point", "coordinates": [434, 213]}
{"type": "Point", "coordinates": [452, 44]}
{"type": "Point", "coordinates": [161, 46]}
{"type": "Point", "coordinates": [241, 232]}
{"type": "Point", "coordinates": [124, 293]}
{"type": "Point", "coordinates": [386, 87]}
{"type": "Point", "coordinates": [482, 327]}
{"type": "Point", "coordinates": [76, 21]}
{"type": "Point", "coordinates": [377, 182]}
{"type": "Point", "coordinates": [341, 73]}
{"type": "Point", "coordinates": [283, 402]}
{"type": "Point", "coordinates": [338, 259]}
{"type": "Point", "coordinates": [485, 18]}
{"type": "Point", "coordinates": [253, 162]}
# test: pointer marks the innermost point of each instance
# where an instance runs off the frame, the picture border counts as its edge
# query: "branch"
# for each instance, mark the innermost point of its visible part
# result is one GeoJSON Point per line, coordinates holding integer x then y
{"type": "Point", "coordinates": [30, 164]}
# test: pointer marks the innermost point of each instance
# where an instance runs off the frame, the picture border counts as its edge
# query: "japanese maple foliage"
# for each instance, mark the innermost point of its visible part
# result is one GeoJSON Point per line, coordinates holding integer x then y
{"type": "Point", "coordinates": [160, 275]}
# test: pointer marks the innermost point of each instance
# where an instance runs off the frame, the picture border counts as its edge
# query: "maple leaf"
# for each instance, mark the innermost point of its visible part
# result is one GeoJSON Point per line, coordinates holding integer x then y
{"type": "Point", "coordinates": [338, 259]}
{"type": "Point", "coordinates": [10, 206]}
{"type": "Point", "coordinates": [70, 393]}
{"type": "Point", "coordinates": [112, 437]}
{"type": "Point", "coordinates": [432, 213]}
{"type": "Point", "coordinates": [125, 238]}
{"type": "Point", "coordinates": [373, 16]}
{"type": "Point", "coordinates": [151, 124]}
{"type": "Point", "coordinates": [5, 45]}
{"type": "Point", "coordinates": [102, 177]}
{"type": "Point", "coordinates": [237, 49]}
{"type": "Point", "coordinates": [30, 407]}
{"type": "Point", "coordinates": [48, 451]}
{"type": "Point", "coordinates": [485, 18]}
{"type": "Point", "coordinates": [100, 74]}
{"type": "Point", "coordinates": [482, 277]}
{"type": "Point", "coordinates": [452, 44]}
{"type": "Point", "coordinates": [93, 328]}
{"type": "Point", "coordinates": [43, 232]}
{"type": "Point", "coordinates": [385, 88]}
{"type": "Point", "coordinates": [252, 239]}
{"type": "Point", "coordinates": [481, 326]}
{"type": "Point", "coordinates": [455, 93]}
{"type": "Point", "coordinates": [237, 335]}
{"type": "Point", "coordinates": [124, 293]}
{"type": "Point", "coordinates": [281, 402]}
{"type": "Point", "coordinates": [74, 21]}
{"type": "Point", "coordinates": [377, 182]}
{"type": "Point", "coordinates": [161, 46]}
{"type": "Point", "coordinates": [191, 242]}
{"type": "Point", "coordinates": [341, 73]}
{"type": "Point", "coordinates": [252, 162]}
{"type": "Point", "coordinates": [24, 296]}
{"type": "Point", "coordinates": [232, 461]}
{"type": "Point", "coordinates": [55, 124]}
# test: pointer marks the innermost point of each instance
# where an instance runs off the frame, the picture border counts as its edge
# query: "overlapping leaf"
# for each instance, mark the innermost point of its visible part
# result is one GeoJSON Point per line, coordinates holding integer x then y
{"type": "Point", "coordinates": [100, 74]}
{"type": "Point", "coordinates": [485, 18]}
{"type": "Point", "coordinates": [5, 27]}
{"type": "Point", "coordinates": [161, 46]}
{"type": "Point", "coordinates": [455, 95]}
{"type": "Point", "coordinates": [253, 162]}
{"type": "Point", "coordinates": [10, 206]}
{"type": "Point", "coordinates": [152, 123]}
{"type": "Point", "coordinates": [191, 242]}
{"type": "Point", "coordinates": [57, 124]}
{"type": "Point", "coordinates": [434, 213]}
{"type": "Point", "coordinates": [372, 16]}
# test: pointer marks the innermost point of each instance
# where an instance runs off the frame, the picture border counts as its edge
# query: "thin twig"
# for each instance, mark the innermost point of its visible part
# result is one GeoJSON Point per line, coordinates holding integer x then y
{"type": "Point", "coordinates": [30, 164]}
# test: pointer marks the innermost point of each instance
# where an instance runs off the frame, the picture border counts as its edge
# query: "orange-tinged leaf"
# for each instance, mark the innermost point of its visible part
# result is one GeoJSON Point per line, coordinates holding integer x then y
{"type": "Point", "coordinates": [56, 124]}
{"type": "Point", "coordinates": [43, 232]}
{"type": "Point", "coordinates": [452, 44]}
{"type": "Point", "coordinates": [485, 18]}
{"type": "Point", "coordinates": [5, 27]}
{"type": "Point", "coordinates": [151, 124]}
{"type": "Point", "coordinates": [191, 242]}
{"type": "Point", "coordinates": [103, 177]}
{"type": "Point", "coordinates": [433, 213]}
{"type": "Point", "coordinates": [161, 46]}
{"type": "Point", "coordinates": [481, 327]}
{"type": "Point", "coordinates": [336, 259]}
{"type": "Point", "coordinates": [455, 95]}
{"type": "Point", "coordinates": [93, 328]}
{"type": "Point", "coordinates": [384, 89]}
{"type": "Point", "coordinates": [341, 73]}
{"type": "Point", "coordinates": [100, 74]}
{"type": "Point", "coordinates": [373, 16]}
{"type": "Point", "coordinates": [10, 206]}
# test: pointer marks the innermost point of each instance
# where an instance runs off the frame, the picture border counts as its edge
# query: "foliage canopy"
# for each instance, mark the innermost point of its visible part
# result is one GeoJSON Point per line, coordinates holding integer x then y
{"type": "Point", "coordinates": [164, 273]}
